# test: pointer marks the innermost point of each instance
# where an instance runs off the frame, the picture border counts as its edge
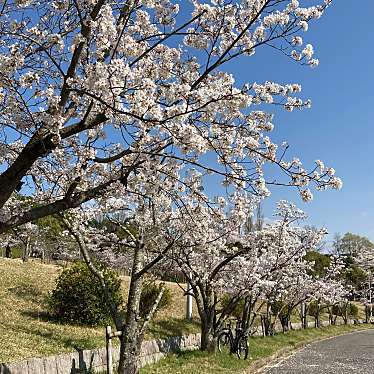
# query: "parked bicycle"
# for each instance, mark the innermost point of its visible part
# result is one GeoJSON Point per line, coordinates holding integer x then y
{"type": "Point", "coordinates": [233, 341]}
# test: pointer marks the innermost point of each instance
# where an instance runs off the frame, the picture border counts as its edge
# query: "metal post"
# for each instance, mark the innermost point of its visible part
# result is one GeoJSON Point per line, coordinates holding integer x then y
{"type": "Point", "coordinates": [189, 302]}
{"type": "Point", "coordinates": [109, 357]}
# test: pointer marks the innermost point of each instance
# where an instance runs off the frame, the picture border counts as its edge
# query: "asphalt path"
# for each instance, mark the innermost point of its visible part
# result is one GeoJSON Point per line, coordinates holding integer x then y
{"type": "Point", "coordinates": [346, 354]}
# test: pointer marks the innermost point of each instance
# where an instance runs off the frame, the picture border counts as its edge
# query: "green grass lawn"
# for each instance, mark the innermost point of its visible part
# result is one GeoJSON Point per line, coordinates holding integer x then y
{"type": "Point", "coordinates": [25, 331]}
{"type": "Point", "coordinates": [260, 349]}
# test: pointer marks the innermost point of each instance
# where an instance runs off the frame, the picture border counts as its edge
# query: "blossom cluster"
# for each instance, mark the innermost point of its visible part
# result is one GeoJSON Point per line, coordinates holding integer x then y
{"type": "Point", "coordinates": [102, 100]}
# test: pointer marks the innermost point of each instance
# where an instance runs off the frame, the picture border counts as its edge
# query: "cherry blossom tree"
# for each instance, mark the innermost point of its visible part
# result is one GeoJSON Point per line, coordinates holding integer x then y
{"type": "Point", "coordinates": [218, 260]}
{"type": "Point", "coordinates": [97, 96]}
{"type": "Point", "coordinates": [275, 268]}
{"type": "Point", "coordinates": [209, 247]}
{"type": "Point", "coordinates": [27, 237]}
{"type": "Point", "coordinates": [285, 281]}
{"type": "Point", "coordinates": [325, 290]}
{"type": "Point", "coordinates": [139, 243]}
{"type": "Point", "coordinates": [149, 229]}
{"type": "Point", "coordinates": [361, 271]}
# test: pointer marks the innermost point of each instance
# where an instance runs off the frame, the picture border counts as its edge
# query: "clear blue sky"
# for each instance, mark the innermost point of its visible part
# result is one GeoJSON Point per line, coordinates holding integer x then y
{"type": "Point", "coordinates": [339, 127]}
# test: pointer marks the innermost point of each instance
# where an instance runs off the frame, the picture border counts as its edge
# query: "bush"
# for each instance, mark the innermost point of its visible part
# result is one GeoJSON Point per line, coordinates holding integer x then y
{"type": "Point", "coordinates": [150, 291]}
{"type": "Point", "coordinates": [312, 309]}
{"type": "Point", "coordinates": [315, 308]}
{"type": "Point", "coordinates": [78, 296]}
{"type": "Point", "coordinates": [279, 308]}
{"type": "Point", "coordinates": [350, 309]}
{"type": "Point", "coordinates": [353, 310]}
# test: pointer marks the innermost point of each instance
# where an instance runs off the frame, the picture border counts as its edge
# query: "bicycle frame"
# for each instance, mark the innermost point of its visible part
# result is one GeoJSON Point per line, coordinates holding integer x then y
{"type": "Point", "coordinates": [234, 338]}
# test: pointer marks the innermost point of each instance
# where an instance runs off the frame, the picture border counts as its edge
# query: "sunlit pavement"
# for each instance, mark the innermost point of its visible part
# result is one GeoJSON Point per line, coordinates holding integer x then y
{"type": "Point", "coordinates": [352, 353]}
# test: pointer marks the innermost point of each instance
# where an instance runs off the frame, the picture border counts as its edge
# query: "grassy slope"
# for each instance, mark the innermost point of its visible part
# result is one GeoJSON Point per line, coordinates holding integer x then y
{"type": "Point", "coordinates": [23, 331]}
{"type": "Point", "coordinates": [260, 349]}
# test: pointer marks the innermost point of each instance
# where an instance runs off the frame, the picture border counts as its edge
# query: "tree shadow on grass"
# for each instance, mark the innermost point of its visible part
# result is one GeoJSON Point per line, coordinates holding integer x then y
{"type": "Point", "coordinates": [59, 337]}
{"type": "Point", "coordinates": [28, 292]}
{"type": "Point", "coordinates": [172, 327]}
{"type": "Point", "coordinates": [40, 315]}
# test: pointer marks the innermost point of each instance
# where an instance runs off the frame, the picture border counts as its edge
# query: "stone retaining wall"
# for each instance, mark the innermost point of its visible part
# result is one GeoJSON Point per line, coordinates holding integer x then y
{"type": "Point", "coordinates": [298, 326]}
{"type": "Point", "coordinates": [95, 360]}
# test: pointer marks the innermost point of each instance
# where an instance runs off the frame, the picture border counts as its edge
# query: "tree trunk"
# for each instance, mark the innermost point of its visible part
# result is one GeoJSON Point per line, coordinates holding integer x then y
{"type": "Point", "coordinates": [130, 342]}
{"type": "Point", "coordinates": [26, 250]}
{"type": "Point", "coordinates": [206, 307]}
{"type": "Point", "coordinates": [248, 314]}
{"type": "Point", "coordinates": [303, 315]}
{"type": "Point", "coordinates": [267, 325]}
{"type": "Point", "coordinates": [318, 318]}
{"type": "Point", "coordinates": [129, 351]}
{"type": "Point", "coordinates": [285, 321]}
{"type": "Point", "coordinates": [208, 336]}
{"type": "Point", "coordinates": [8, 252]}
{"type": "Point", "coordinates": [305, 321]}
{"type": "Point", "coordinates": [133, 335]}
{"type": "Point", "coordinates": [345, 315]}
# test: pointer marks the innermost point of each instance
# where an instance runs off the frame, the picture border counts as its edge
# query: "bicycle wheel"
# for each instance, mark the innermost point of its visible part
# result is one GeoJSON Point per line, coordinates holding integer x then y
{"type": "Point", "coordinates": [223, 342]}
{"type": "Point", "coordinates": [242, 348]}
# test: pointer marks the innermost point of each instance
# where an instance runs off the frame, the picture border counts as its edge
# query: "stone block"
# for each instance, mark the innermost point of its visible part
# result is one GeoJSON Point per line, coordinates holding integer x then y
{"type": "Point", "coordinates": [144, 360]}
{"type": "Point", "coordinates": [36, 366]}
{"type": "Point", "coordinates": [93, 359]}
{"type": "Point", "coordinates": [16, 368]}
{"type": "Point", "coordinates": [98, 359]}
{"type": "Point", "coordinates": [50, 365]}
{"type": "Point", "coordinates": [115, 354]}
{"type": "Point", "coordinates": [64, 363]}
{"type": "Point", "coordinates": [149, 347]}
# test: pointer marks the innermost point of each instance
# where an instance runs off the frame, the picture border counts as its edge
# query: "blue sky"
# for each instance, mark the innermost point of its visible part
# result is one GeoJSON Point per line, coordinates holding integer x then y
{"type": "Point", "coordinates": [338, 129]}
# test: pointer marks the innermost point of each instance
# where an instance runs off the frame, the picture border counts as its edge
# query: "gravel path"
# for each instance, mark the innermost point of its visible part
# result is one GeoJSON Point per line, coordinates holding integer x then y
{"type": "Point", "coordinates": [346, 354]}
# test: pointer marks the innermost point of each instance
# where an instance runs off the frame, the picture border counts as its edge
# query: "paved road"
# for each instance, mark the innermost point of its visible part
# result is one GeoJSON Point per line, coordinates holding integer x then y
{"type": "Point", "coordinates": [346, 354]}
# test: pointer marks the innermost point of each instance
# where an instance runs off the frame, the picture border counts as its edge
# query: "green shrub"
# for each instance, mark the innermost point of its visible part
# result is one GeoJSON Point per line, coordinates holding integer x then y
{"type": "Point", "coordinates": [150, 291]}
{"type": "Point", "coordinates": [353, 310]}
{"type": "Point", "coordinates": [349, 309]}
{"type": "Point", "coordinates": [314, 308]}
{"type": "Point", "coordinates": [171, 276]}
{"type": "Point", "coordinates": [78, 296]}
{"type": "Point", "coordinates": [279, 308]}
